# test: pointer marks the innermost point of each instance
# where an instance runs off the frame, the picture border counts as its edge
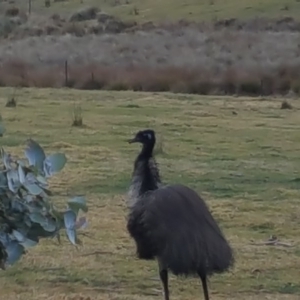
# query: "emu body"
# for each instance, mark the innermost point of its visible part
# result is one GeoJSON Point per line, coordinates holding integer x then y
{"type": "Point", "coordinates": [173, 224]}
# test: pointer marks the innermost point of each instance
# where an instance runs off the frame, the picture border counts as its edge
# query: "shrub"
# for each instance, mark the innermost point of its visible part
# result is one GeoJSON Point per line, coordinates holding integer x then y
{"type": "Point", "coordinates": [7, 26]}
{"type": "Point", "coordinates": [286, 105]}
{"type": "Point", "coordinates": [74, 28]}
{"type": "Point", "coordinates": [84, 14]}
{"type": "Point", "coordinates": [27, 213]}
{"type": "Point", "coordinates": [103, 17]}
{"type": "Point", "coordinates": [12, 11]}
{"type": "Point", "coordinates": [11, 102]}
{"type": "Point", "coordinates": [250, 87]}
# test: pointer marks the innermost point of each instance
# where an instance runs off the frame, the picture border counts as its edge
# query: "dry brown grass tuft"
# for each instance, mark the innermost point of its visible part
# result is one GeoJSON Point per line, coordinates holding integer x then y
{"type": "Point", "coordinates": [84, 14]}
{"type": "Point", "coordinates": [77, 118]}
{"type": "Point", "coordinates": [12, 11]}
{"type": "Point", "coordinates": [286, 105]}
{"type": "Point", "coordinates": [11, 102]}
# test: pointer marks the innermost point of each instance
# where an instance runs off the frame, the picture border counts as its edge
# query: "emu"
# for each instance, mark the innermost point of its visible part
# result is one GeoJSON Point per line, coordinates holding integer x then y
{"type": "Point", "coordinates": [171, 223]}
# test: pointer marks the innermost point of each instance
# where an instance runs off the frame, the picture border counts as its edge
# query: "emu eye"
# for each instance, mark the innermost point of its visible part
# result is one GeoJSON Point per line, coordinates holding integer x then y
{"type": "Point", "coordinates": [148, 135]}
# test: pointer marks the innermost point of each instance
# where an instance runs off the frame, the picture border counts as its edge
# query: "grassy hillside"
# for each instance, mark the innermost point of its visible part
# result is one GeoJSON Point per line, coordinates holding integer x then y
{"type": "Point", "coordinates": [241, 154]}
{"type": "Point", "coordinates": [158, 10]}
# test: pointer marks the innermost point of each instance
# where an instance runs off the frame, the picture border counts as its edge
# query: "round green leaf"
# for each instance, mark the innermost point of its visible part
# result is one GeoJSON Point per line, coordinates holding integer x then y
{"type": "Point", "coordinates": [49, 225]}
{"type": "Point", "coordinates": [37, 218]}
{"type": "Point", "coordinates": [70, 222]}
{"type": "Point", "coordinates": [3, 180]}
{"type": "Point", "coordinates": [18, 235]}
{"type": "Point", "coordinates": [54, 163]}
{"type": "Point", "coordinates": [77, 203]}
{"type": "Point", "coordinates": [13, 180]}
{"type": "Point", "coordinates": [41, 180]}
{"type": "Point", "coordinates": [35, 154]}
{"type": "Point", "coordinates": [21, 173]}
{"type": "Point", "coordinates": [14, 252]}
{"type": "Point", "coordinates": [33, 189]}
{"type": "Point", "coordinates": [6, 159]}
{"type": "Point", "coordinates": [28, 243]}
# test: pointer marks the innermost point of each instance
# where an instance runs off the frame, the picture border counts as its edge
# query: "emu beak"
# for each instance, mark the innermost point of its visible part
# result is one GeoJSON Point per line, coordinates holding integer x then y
{"type": "Point", "coordinates": [134, 140]}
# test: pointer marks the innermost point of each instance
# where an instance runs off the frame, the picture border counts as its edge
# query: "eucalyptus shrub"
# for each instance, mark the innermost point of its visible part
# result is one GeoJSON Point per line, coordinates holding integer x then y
{"type": "Point", "coordinates": [27, 213]}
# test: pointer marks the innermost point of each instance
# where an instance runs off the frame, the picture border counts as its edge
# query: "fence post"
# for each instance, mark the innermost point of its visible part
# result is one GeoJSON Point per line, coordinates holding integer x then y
{"type": "Point", "coordinates": [66, 74]}
{"type": "Point", "coordinates": [29, 7]}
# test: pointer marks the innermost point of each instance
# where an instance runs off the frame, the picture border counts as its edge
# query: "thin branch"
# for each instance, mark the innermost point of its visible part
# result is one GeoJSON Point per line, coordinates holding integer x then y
{"type": "Point", "coordinates": [95, 253]}
{"type": "Point", "coordinates": [273, 241]}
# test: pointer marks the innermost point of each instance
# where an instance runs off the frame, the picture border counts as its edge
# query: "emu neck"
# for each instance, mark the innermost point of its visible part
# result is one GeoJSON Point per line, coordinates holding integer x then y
{"type": "Point", "coordinates": [145, 175]}
{"type": "Point", "coordinates": [146, 153]}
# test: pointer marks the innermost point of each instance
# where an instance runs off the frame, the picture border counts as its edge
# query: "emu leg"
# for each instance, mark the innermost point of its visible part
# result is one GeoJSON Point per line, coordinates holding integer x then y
{"type": "Point", "coordinates": [204, 286]}
{"type": "Point", "coordinates": [163, 274]}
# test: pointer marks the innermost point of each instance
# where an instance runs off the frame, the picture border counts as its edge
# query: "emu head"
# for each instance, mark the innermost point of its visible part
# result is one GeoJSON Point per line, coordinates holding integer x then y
{"type": "Point", "coordinates": [145, 137]}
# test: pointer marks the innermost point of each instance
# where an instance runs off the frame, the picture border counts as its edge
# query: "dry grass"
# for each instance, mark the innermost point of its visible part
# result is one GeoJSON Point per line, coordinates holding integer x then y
{"type": "Point", "coordinates": [107, 49]}
{"type": "Point", "coordinates": [184, 59]}
{"type": "Point", "coordinates": [246, 165]}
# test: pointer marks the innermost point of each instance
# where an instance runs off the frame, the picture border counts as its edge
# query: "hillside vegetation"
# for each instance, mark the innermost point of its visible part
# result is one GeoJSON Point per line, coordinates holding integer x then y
{"type": "Point", "coordinates": [198, 47]}
{"type": "Point", "coordinates": [178, 59]}
{"type": "Point", "coordinates": [241, 155]}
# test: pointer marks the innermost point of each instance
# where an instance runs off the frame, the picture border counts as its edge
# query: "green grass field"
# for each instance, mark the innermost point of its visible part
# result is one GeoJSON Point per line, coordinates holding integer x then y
{"type": "Point", "coordinates": [157, 10]}
{"type": "Point", "coordinates": [245, 164]}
